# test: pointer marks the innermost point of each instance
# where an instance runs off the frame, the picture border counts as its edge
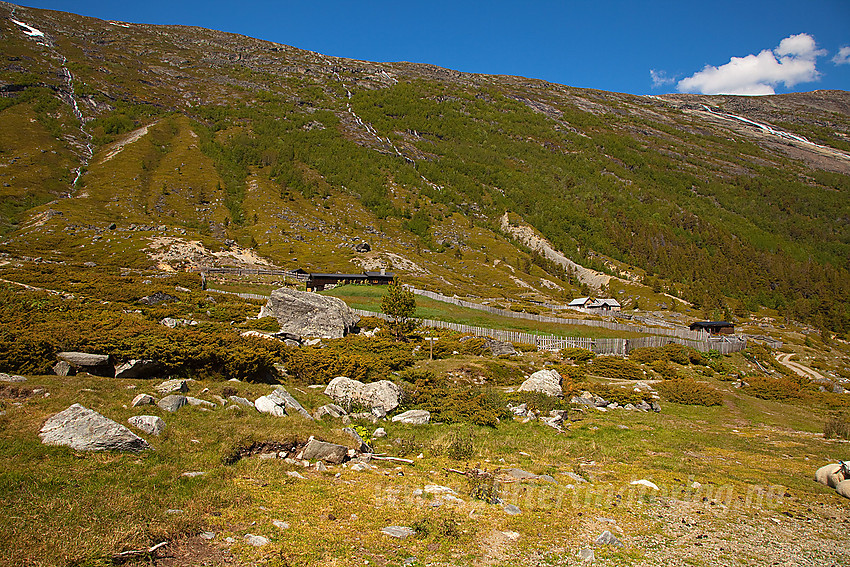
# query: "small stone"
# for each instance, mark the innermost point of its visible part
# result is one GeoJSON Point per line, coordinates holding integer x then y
{"type": "Point", "coordinates": [207, 535]}
{"type": "Point", "coordinates": [413, 417]}
{"type": "Point", "coordinates": [513, 536]}
{"type": "Point", "coordinates": [512, 510]}
{"type": "Point", "coordinates": [193, 474]}
{"type": "Point", "coordinates": [607, 538]}
{"type": "Point", "coordinates": [294, 474]}
{"type": "Point", "coordinates": [150, 424]}
{"type": "Point", "coordinates": [644, 482]}
{"type": "Point", "coordinates": [280, 524]}
{"type": "Point", "coordinates": [379, 433]}
{"type": "Point", "coordinates": [400, 532]}
{"type": "Point", "coordinates": [256, 540]}
{"type": "Point", "coordinates": [586, 555]}
{"type": "Point", "coordinates": [143, 400]}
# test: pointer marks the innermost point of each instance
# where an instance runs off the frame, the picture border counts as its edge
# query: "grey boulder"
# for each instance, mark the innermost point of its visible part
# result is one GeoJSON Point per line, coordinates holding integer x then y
{"type": "Point", "coordinates": [382, 394]}
{"type": "Point", "coordinates": [280, 403]}
{"type": "Point", "coordinates": [83, 429]}
{"type": "Point", "coordinates": [316, 450]}
{"type": "Point", "coordinates": [544, 381]}
{"type": "Point", "coordinates": [137, 369]}
{"type": "Point", "coordinates": [171, 386]}
{"type": "Point", "coordinates": [172, 403]}
{"type": "Point", "coordinates": [143, 400]}
{"type": "Point", "coordinates": [499, 348]}
{"type": "Point", "coordinates": [400, 532]}
{"type": "Point", "coordinates": [309, 314]}
{"type": "Point", "coordinates": [11, 378]}
{"type": "Point", "coordinates": [330, 410]}
{"type": "Point", "coordinates": [150, 424]}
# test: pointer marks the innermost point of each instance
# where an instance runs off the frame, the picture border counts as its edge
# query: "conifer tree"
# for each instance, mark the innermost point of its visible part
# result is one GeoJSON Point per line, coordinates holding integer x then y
{"type": "Point", "coordinates": [399, 304]}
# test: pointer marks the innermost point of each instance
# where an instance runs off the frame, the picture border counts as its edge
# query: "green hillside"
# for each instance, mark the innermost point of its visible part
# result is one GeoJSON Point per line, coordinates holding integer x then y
{"type": "Point", "coordinates": [241, 144]}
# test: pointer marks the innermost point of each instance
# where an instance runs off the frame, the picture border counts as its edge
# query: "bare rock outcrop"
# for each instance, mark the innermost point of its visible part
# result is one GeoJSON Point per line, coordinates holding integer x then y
{"type": "Point", "coordinates": [309, 314]}
{"type": "Point", "coordinates": [382, 395]}
{"type": "Point", "coordinates": [544, 381]}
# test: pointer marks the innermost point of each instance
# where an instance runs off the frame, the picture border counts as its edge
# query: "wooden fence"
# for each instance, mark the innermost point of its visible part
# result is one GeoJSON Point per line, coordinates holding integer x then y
{"type": "Point", "coordinates": [616, 347]}
{"type": "Point", "coordinates": [681, 333]}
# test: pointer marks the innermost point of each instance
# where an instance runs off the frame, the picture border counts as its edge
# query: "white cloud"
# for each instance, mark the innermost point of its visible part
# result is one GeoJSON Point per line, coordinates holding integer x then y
{"type": "Point", "coordinates": [791, 63]}
{"type": "Point", "coordinates": [842, 57]}
{"type": "Point", "coordinates": [660, 78]}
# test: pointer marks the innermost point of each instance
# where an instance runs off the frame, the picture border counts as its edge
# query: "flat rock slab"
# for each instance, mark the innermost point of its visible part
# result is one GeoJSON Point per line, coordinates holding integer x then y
{"type": "Point", "coordinates": [172, 403]}
{"type": "Point", "coordinates": [400, 532]}
{"type": "Point", "coordinates": [95, 364]}
{"type": "Point", "coordinates": [83, 429]}
{"type": "Point", "coordinates": [316, 450]}
{"type": "Point", "coordinates": [150, 424]}
{"type": "Point", "coordinates": [143, 400]}
{"type": "Point", "coordinates": [413, 417]}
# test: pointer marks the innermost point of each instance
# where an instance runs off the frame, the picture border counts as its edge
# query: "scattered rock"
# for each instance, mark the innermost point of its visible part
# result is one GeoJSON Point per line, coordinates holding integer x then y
{"type": "Point", "coordinates": [242, 401]}
{"type": "Point", "coordinates": [544, 381]}
{"type": "Point", "coordinates": [644, 482]}
{"type": "Point", "coordinates": [379, 433]}
{"type": "Point", "coordinates": [586, 555]}
{"type": "Point", "coordinates": [382, 394]}
{"type": "Point", "coordinates": [512, 510]}
{"type": "Point", "coordinates": [156, 298]}
{"type": "Point", "coordinates": [328, 452]}
{"type": "Point", "coordinates": [83, 429]}
{"type": "Point", "coordinates": [331, 410]}
{"type": "Point", "coordinates": [281, 524]}
{"type": "Point", "coordinates": [280, 403]}
{"type": "Point", "coordinates": [150, 424]}
{"type": "Point", "coordinates": [361, 444]}
{"type": "Point", "coordinates": [171, 386]}
{"type": "Point", "coordinates": [172, 403]}
{"type": "Point", "coordinates": [400, 532]}
{"type": "Point", "coordinates": [295, 474]}
{"type": "Point", "coordinates": [256, 540]}
{"type": "Point", "coordinates": [62, 368]}
{"type": "Point", "coordinates": [607, 538]}
{"type": "Point", "coordinates": [11, 378]}
{"type": "Point", "coordinates": [207, 535]}
{"type": "Point", "coordinates": [199, 402]}
{"type": "Point", "coordinates": [309, 314]}
{"type": "Point", "coordinates": [193, 474]}
{"type": "Point", "coordinates": [172, 323]}
{"type": "Point", "coordinates": [135, 369]}
{"type": "Point", "coordinates": [363, 247]}
{"type": "Point", "coordinates": [413, 417]}
{"type": "Point", "coordinates": [498, 348]}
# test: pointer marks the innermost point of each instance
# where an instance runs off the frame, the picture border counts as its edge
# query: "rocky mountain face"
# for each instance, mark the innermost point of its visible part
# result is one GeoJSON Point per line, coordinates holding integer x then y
{"type": "Point", "coordinates": [139, 145]}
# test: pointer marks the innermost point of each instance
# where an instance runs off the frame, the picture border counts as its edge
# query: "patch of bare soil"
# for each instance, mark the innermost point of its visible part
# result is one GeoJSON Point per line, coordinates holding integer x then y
{"type": "Point", "coordinates": [193, 552]}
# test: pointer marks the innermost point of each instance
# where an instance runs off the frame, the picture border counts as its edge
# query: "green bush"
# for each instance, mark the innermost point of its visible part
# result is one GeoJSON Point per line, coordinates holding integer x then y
{"type": "Point", "coordinates": [672, 352]}
{"type": "Point", "coordinates": [664, 369]}
{"type": "Point", "coordinates": [538, 401]}
{"type": "Point", "coordinates": [525, 347]}
{"type": "Point", "coordinates": [616, 368]}
{"type": "Point", "coordinates": [577, 354]}
{"type": "Point", "coordinates": [450, 402]}
{"type": "Point", "coordinates": [25, 355]}
{"type": "Point", "coordinates": [618, 394]}
{"type": "Point", "coordinates": [773, 388]}
{"type": "Point", "coordinates": [837, 426]}
{"type": "Point", "coordinates": [690, 392]}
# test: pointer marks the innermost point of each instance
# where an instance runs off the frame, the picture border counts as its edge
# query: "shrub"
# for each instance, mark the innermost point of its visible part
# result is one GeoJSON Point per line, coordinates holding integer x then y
{"type": "Point", "coordinates": [25, 355]}
{"type": "Point", "coordinates": [450, 402]}
{"type": "Point", "coordinates": [620, 395]}
{"type": "Point", "coordinates": [525, 347]}
{"type": "Point", "coordinates": [773, 388]}
{"type": "Point", "coordinates": [664, 369]}
{"type": "Point", "coordinates": [672, 352]}
{"type": "Point", "coordinates": [837, 426]}
{"type": "Point", "coordinates": [461, 445]}
{"type": "Point", "coordinates": [577, 354]}
{"type": "Point", "coordinates": [538, 401]}
{"type": "Point", "coordinates": [690, 392]}
{"type": "Point", "coordinates": [616, 368]}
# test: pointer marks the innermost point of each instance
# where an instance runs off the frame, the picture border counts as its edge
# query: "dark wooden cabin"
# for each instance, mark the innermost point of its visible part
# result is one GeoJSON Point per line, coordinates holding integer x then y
{"type": "Point", "coordinates": [714, 327]}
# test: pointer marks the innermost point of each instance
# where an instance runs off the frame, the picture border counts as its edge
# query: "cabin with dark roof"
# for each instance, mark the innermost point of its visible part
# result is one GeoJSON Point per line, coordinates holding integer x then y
{"type": "Point", "coordinates": [714, 327]}
{"type": "Point", "coordinates": [320, 282]}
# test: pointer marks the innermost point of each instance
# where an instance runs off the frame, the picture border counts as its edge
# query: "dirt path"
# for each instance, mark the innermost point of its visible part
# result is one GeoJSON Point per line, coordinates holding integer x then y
{"type": "Point", "coordinates": [785, 360]}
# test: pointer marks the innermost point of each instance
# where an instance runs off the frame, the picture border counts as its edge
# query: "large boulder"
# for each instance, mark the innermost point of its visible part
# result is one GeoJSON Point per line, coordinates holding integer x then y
{"type": "Point", "coordinates": [83, 429]}
{"type": "Point", "coordinates": [94, 364]}
{"type": "Point", "coordinates": [137, 369]}
{"type": "Point", "coordinates": [172, 403]}
{"type": "Point", "coordinates": [150, 424]}
{"type": "Point", "coordinates": [499, 348]}
{"type": "Point", "coordinates": [280, 403]}
{"type": "Point", "coordinates": [309, 314]}
{"type": "Point", "coordinates": [383, 394]}
{"type": "Point", "coordinates": [544, 381]}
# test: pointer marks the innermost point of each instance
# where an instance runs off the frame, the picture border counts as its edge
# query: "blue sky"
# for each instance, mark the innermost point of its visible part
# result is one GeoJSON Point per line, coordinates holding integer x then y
{"type": "Point", "coordinates": [640, 47]}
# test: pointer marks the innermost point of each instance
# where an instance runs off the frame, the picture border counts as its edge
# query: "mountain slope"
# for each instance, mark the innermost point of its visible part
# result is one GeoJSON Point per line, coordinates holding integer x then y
{"type": "Point", "coordinates": [730, 202]}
